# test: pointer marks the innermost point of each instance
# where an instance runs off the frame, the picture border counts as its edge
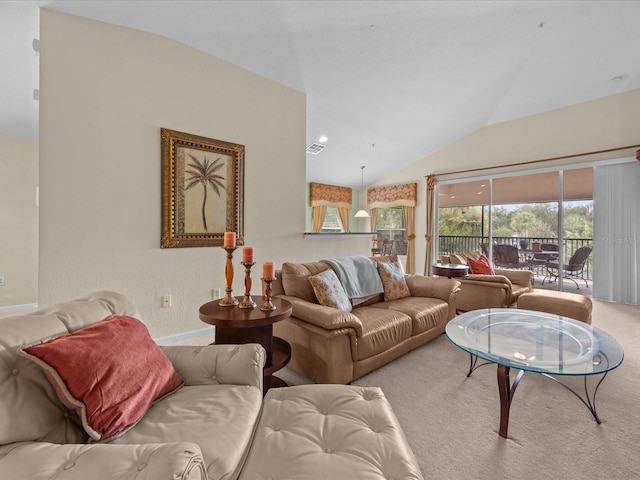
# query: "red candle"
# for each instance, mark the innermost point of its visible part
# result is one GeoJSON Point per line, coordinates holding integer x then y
{"type": "Point", "coordinates": [229, 239]}
{"type": "Point", "coordinates": [268, 270]}
{"type": "Point", "coordinates": [247, 255]}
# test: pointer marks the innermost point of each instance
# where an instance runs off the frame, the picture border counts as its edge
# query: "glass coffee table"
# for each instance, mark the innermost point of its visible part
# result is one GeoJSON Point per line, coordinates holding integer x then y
{"type": "Point", "coordinates": [538, 342]}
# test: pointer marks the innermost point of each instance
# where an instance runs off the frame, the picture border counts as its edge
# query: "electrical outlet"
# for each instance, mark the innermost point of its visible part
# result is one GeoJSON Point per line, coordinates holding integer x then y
{"type": "Point", "coordinates": [165, 301]}
{"type": "Point", "coordinates": [1, 281]}
{"type": "Point", "coordinates": [216, 293]}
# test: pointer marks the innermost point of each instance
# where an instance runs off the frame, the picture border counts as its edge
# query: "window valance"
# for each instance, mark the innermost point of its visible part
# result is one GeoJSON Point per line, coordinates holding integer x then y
{"type": "Point", "coordinates": [404, 195]}
{"type": "Point", "coordinates": [322, 195]}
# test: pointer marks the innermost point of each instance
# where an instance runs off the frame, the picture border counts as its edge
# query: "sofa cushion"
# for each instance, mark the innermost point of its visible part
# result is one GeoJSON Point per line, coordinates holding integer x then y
{"type": "Point", "coordinates": [109, 373]}
{"type": "Point", "coordinates": [382, 329]}
{"type": "Point", "coordinates": [481, 266]}
{"type": "Point", "coordinates": [295, 279]}
{"type": "Point", "coordinates": [425, 312]}
{"type": "Point", "coordinates": [329, 291]}
{"type": "Point", "coordinates": [221, 419]}
{"type": "Point", "coordinates": [393, 281]}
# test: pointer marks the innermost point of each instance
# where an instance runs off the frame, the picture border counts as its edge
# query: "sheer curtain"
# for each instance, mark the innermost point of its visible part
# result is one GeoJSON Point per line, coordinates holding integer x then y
{"type": "Point", "coordinates": [317, 218]}
{"type": "Point", "coordinates": [430, 222]}
{"type": "Point", "coordinates": [374, 219]}
{"type": "Point", "coordinates": [343, 216]}
{"type": "Point", "coordinates": [409, 214]}
{"type": "Point", "coordinates": [616, 233]}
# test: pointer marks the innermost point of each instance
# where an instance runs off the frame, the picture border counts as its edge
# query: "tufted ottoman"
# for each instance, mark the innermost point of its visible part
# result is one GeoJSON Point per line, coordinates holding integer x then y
{"type": "Point", "coordinates": [329, 432]}
{"type": "Point", "coordinates": [569, 305]}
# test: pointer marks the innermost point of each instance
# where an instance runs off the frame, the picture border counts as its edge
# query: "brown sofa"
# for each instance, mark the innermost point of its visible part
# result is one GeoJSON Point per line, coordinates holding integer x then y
{"type": "Point", "coordinates": [489, 291]}
{"type": "Point", "coordinates": [333, 346]}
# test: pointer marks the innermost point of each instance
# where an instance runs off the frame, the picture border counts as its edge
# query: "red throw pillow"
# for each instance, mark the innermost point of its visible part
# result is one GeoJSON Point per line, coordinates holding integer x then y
{"type": "Point", "coordinates": [109, 373]}
{"type": "Point", "coordinates": [480, 266]}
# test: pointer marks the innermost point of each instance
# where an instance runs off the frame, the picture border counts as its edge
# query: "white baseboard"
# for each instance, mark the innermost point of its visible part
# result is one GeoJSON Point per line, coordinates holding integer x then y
{"type": "Point", "coordinates": [182, 337]}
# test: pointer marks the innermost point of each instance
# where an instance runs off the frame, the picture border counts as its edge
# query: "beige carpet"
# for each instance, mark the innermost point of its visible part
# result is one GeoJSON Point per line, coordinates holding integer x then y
{"type": "Point", "coordinates": [452, 421]}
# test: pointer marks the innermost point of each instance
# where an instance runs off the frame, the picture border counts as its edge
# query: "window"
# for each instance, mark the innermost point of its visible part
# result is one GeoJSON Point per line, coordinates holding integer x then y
{"type": "Point", "coordinates": [331, 221]}
{"type": "Point", "coordinates": [390, 226]}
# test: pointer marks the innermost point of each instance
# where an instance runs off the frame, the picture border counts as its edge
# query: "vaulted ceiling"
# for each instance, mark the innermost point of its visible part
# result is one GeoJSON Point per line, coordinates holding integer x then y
{"type": "Point", "coordinates": [387, 82]}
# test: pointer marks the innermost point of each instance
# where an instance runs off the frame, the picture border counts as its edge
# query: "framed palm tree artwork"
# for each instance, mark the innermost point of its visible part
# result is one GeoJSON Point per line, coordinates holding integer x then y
{"type": "Point", "coordinates": [202, 190]}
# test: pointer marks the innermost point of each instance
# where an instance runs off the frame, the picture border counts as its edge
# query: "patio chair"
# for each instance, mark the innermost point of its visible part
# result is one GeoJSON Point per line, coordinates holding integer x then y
{"type": "Point", "coordinates": [387, 247]}
{"type": "Point", "coordinates": [507, 256]}
{"type": "Point", "coordinates": [572, 270]}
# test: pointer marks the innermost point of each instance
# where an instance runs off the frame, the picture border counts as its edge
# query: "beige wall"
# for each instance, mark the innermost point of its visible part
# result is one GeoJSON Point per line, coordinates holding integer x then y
{"type": "Point", "coordinates": [602, 124]}
{"type": "Point", "coordinates": [18, 221]}
{"type": "Point", "coordinates": [105, 92]}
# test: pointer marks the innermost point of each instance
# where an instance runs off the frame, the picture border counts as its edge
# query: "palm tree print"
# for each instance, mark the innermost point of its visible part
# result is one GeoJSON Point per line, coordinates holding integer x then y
{"type": "Point", "coordinates": [205, 173]}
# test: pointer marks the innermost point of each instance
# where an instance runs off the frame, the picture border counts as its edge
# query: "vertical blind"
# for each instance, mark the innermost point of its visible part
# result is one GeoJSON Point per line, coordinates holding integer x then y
{"type": "Point", "coordinates": [616, 239]}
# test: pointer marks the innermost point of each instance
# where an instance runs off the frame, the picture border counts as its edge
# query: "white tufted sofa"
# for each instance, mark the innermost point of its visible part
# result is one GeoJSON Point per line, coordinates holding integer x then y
{"type": "Point", "coordinates": [214, 427]}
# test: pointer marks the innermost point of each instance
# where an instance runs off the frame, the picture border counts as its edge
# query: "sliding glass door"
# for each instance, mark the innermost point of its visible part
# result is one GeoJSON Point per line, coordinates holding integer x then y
{"type": "Point", "coordinates": [545, 218]}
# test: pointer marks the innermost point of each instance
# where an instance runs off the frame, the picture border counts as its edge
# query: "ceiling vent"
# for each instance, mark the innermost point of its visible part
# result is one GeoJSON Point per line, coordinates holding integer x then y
{"type": "Point", "coordinates": [315, 148]}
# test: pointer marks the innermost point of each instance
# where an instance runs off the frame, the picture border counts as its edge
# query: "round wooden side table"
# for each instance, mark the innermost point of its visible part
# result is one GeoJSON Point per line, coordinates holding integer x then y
{"type": "Point", "coordinates": [251, 325]}
{"type": "Point", "coordinates": [450, 270]}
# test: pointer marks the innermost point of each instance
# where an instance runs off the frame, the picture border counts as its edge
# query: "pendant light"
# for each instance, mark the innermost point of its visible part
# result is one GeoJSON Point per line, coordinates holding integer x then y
{"type": "Point", "coordinates": [362, 213]}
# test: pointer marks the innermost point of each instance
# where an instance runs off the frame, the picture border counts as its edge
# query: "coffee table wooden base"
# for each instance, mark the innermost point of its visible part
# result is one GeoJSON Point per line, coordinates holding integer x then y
{"type": "Point", "coordinates": [506, 390]}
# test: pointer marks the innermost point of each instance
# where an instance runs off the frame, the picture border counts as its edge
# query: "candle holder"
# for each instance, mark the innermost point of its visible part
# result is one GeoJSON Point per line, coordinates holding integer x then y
{"type": "Point", "coordinates": [229, 300]}
{"type": "Point", "coordinates": [268, 304]}
{"type": "Point", "coordinates": [247, 301]}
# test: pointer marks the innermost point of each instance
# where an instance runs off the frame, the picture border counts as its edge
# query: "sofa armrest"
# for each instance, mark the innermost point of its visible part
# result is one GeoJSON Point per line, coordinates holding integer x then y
{"type": "Point", "coordinates": [98, 461]}
{"type": "Point", "coordinates": [441, 288]}
{"type": "Point", "coordinates": [218, 364]}
{"type": "Point", "coordinates": [519, 277]}
{"type": "Point", "coordinates": [328, 318]}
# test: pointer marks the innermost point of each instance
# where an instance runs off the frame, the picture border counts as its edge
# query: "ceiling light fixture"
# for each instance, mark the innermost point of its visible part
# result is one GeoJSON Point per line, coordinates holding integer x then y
{"type": "Point", "coordinates": [323, 139]}
{"type": "Point", "coordinates": [362, 213]}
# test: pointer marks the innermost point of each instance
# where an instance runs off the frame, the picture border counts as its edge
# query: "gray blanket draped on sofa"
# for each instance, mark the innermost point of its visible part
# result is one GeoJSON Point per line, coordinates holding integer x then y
{"type": "Point", "coordinates": [358, 275]}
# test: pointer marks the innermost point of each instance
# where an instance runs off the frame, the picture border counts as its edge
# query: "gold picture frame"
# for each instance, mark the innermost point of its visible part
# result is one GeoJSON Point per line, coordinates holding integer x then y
{"type": "Point", "coordinates": [202, 190]}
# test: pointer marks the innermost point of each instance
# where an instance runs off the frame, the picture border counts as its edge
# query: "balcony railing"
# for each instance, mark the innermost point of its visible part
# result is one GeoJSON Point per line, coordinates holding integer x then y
{"type": "Point", "coordinates": [456, 244]}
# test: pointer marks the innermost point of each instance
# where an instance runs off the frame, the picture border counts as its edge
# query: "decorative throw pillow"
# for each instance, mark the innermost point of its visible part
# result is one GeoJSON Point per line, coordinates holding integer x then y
{"type": "Point", "coordinates": [480, 266]}
{"type": "Point", "coordinates": [109, 373]}
{"type": "Point", "coordinates": [329, 291]}
{"type": "Point", "coordinates": [393, 281]}
{"type": "Point", "coordinates": [295, 279]}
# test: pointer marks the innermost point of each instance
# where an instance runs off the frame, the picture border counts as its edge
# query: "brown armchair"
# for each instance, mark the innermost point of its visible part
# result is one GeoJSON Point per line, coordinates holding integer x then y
{"type": "Point", "coordinates": [489, 291]}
